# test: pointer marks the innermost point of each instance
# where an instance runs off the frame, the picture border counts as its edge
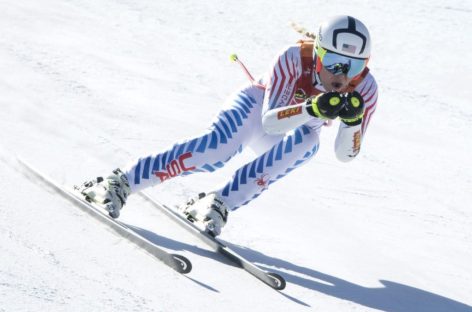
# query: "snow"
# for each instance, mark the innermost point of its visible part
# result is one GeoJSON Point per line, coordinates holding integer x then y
{"type": "Point", "coordinates": [87, 86]}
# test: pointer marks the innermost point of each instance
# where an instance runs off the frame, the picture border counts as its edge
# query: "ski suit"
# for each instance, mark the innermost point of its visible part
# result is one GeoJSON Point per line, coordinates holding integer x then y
{"type": "Point", "coordinates": [273, 121]}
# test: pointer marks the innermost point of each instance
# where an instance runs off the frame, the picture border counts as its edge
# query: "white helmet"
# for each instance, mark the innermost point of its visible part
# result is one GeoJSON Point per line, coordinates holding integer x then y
{"type": "Point", "coordinates": [344, 35]}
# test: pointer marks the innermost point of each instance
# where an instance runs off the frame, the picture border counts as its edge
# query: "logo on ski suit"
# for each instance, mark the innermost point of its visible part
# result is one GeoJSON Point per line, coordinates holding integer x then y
{"type": "Point", "coordinates": [262, 181]}
{"type": "Point", "coordinates": [289, 112]}
{"type": "Point", "coordinates": [175, 167]}
{"type": "Point", "coordinates": [356, 144]}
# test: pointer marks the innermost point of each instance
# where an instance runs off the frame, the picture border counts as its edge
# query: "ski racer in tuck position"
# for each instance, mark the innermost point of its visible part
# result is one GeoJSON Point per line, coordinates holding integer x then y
{"type": "Point", "coordinates": [280, 116]}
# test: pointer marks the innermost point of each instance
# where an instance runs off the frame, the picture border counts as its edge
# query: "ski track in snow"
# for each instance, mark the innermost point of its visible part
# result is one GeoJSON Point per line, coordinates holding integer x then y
{"type": "Point", "coordinates": [87, 86]}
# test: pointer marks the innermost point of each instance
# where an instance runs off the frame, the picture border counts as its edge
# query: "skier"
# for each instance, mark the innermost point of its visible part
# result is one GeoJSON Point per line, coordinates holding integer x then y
{"type": "Point", "coordinates": [280, 116]}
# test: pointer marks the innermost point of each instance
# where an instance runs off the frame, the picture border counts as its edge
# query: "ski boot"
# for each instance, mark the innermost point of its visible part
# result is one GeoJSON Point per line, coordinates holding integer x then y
{"type": "Point", "coordinates": [209, 210]}
{"type": "Point", "coordinates": [110, 192]}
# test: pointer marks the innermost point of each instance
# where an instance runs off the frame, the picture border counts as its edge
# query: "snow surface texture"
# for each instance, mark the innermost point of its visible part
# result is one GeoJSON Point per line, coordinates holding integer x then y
{"type": "Point", "coordinates": [86, 86]}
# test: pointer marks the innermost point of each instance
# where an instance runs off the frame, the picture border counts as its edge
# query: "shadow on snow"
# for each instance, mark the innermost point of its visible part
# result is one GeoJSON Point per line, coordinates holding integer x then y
{"type": "Point", "coordinates": [392, 296]}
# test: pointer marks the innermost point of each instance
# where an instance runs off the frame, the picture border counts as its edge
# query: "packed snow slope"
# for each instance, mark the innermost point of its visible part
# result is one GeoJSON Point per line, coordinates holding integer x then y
{"type": "Point", "coordinates": [86, 86]}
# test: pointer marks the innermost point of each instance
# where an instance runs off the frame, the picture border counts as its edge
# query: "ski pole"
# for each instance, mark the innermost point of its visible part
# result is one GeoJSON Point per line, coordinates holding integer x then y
{"type": "Point", "coordinates": [234, 58]}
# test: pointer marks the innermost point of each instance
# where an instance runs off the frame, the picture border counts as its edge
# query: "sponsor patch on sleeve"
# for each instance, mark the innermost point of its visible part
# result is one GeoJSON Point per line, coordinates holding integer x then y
{"type": "Point", "coordinates": [356, 147]}
{"type": "Point", "coordinates": [289, 112]}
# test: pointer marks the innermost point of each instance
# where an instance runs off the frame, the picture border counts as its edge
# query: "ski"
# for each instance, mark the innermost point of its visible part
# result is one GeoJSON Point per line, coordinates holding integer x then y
{"type": "Point", "coordinates": [272, 279]}
{"type": "Point", "coordinates": [177, 262]}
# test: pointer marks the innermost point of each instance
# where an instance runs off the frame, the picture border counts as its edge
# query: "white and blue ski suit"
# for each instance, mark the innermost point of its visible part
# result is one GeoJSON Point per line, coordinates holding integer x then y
{"type": "Point", "coordinates": [270, 118]}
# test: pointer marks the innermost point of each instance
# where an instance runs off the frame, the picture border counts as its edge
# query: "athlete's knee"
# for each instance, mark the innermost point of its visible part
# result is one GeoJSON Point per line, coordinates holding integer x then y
{"type": "Point", "coordinates": [303, 141]}
{"type": "Point", "coordinates": [210, 151]}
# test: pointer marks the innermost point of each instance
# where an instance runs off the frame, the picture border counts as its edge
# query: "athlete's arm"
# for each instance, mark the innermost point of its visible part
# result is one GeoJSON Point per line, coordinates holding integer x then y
{"type": "Point", "coordinates": [349, 139]}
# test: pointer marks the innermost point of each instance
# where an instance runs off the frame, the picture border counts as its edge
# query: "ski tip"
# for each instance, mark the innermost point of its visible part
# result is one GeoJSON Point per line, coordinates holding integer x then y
{"type": "Point", "coordinates": [278, 281]}
{"type": "Point", "coordinates": [183, 265]}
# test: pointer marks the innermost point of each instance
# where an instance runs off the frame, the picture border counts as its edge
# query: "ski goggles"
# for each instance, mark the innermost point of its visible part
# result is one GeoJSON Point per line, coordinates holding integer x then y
{"type": "Point", "coordinates": [338, 64]}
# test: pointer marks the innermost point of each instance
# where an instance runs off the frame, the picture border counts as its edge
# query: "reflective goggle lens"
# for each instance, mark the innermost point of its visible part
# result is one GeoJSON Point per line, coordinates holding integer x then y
{"type": "Point", "coordinates": [339, 64]}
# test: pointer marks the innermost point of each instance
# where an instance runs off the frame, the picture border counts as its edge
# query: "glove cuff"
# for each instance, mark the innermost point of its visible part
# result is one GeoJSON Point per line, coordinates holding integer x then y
{"type": "Point", "coordinates": [353, 121]}
{"type": "Point", "coordinates": [313, 109]}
